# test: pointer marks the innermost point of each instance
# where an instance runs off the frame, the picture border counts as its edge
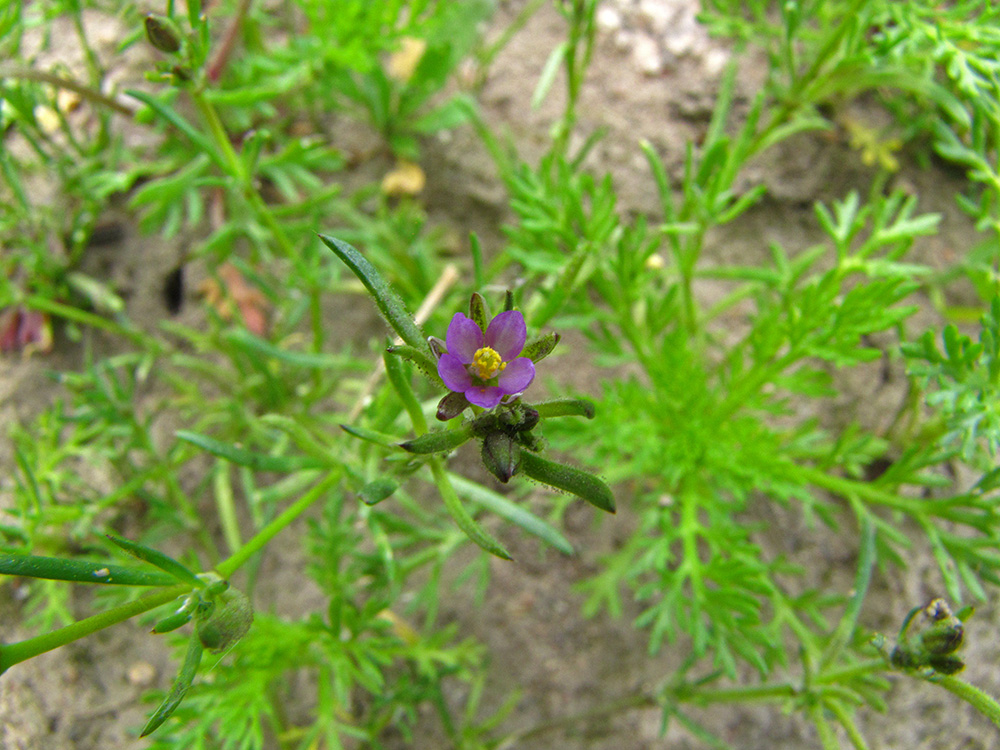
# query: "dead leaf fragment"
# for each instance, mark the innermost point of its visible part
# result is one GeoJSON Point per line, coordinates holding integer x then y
{"type": "Point", "coordinates": [231, 293]}
{"type": "Point", "coordinates": [403, 62]}
{"type": "Point", "coordinates": [26, 331]}
{"type": "Point", "coordinates": [407, 178]}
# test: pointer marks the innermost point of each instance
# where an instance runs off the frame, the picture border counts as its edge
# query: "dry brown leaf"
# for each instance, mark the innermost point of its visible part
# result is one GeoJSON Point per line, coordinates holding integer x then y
{"type": "Point", "coordinates": [234, 294]}
{"type": "Point", "coordinates": [407, 178]}
{"type": "Point", "coordinates": [404, 61]}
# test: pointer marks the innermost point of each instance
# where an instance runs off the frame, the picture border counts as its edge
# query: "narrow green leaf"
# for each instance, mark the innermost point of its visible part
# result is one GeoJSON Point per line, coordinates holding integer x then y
{"type": "Point", "coordinates": [399, 377]}
{"type": "Point", "coordinates": [437, 442]}
{"type": "Point", "coordinates": [565, 407]}
{"type": "Point", "coordinates": [548, 75]}
{"type": "Point", "coordinates": [426, 364]}
{"type": "Point", "coordinates": [178, 690]}
{"type": "Point", "coordinates": [388, 301]}
{"type": "Point", "coordinates": [251, 459]}
{"type": "Point", "coordinates": [499, 505]}
{"type": "Point", "coordinates": [174, 118]}
{"type": "Point", "coordinates": [849, 620]}
{"type": "Point", "coordinates": [461, 516]}
{"type": "Point", "coordinates": [255, 345]}
{"type": "Point", "coordinates": [580, 483]}
{"type": "Point", "coordinates": [81, 571]}
{"type": "Point", "coordinates": [154, 557]}
{"type": "Point", "coordinates": [371, 436]}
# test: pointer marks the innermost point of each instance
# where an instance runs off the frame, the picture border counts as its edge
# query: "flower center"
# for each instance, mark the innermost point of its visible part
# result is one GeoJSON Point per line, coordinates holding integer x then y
{"type": "Point", "coordinates": [486, 363]}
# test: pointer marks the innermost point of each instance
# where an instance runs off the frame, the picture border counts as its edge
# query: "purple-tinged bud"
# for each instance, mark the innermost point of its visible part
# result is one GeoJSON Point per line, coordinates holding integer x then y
{"type": "Point", "coordinates": [162, 34]}
{"type": "Point", "coordinates": [451, 406]}
{"type": "Point", "coordinates": [501, 455]}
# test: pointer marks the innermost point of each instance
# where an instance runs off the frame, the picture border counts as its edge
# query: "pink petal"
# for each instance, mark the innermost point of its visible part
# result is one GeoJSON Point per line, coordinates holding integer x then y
{"type": "Point", "coordinates": [506, 334]}
{"type": "Point", "coordinates": [486, 396]}
{"type": "Point", "coordinates": [453, 373]}
{"type": "Point", "coordinates": [464, 338]}
{"type": "Point", "coordinates": [517, 375]}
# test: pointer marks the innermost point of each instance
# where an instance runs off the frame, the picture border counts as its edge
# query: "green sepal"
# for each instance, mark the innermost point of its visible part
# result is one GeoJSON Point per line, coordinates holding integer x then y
{"type": "Point", "coordinates": [154, 557]}
{"type": "Point", "coordinates": [538, 349]}
{"type": "Point", "coordinates": [81, 571]}
{"type": "Point", "coordinates": [580, 483]}
{"type": "Point", "coordinates": [438, 442]}
{"type": "Point", "coordinates": [508, 301]}
{"type": "Point", "coordinates": [178, 690]}
{"type": "Point", "coordinates": [227, 624]}
{"type": "Point", "coordinates": [388, 301]}
{"type": "Point", "coordinates": [424, 363]}
{"type": "Point", "coordinates": [479, 312]}
{"type": "Point", "coordinates": [565, 407]}
{"type": "Point", "coordinates": [377, 491]}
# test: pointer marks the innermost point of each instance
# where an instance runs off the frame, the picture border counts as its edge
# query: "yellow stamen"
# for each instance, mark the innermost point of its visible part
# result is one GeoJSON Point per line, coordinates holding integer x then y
{"type": "Point", "coordinates": [486, 363]}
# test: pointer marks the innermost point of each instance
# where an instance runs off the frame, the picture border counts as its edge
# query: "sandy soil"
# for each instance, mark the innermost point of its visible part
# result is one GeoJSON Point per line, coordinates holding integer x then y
{"type": "Point", "coordinates": [653, 77]}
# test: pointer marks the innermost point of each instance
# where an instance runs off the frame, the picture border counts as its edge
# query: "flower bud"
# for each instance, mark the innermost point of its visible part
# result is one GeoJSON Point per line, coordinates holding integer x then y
{"type": "Point", "coordinates": [943, 638]}
{"type": "Point", "coordinates": [162, 34]}
{"type": "Point", "coordinates": [947, 664]}
{"type": "Point", "coordinates": [451, 406]}
{"type": "Point", "coordinates": [228, 624]}
{"type": "Point", "coordinates": [501, 455]}
{"type": "Point", "coordinates": [172, 622]}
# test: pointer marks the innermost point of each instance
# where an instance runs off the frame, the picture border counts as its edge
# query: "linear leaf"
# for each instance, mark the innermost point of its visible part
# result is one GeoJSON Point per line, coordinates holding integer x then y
{"type": "Point", "coordinates": [251, 459]}
{"type": "Point", "coordinates": [81, 571]}
{"type": "Point", "coordinates": [388, 301]}
{"type": "Point", "coordinates": [154, 557]}
{"type": "Point", "coordinates": [178, 690]}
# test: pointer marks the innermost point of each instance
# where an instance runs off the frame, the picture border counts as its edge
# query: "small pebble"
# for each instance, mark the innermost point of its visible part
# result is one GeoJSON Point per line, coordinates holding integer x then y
{"type": "Point", "coordinates": [141, 673]}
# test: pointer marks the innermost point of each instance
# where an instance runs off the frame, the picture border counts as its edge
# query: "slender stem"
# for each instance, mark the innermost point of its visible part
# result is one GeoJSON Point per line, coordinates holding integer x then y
{"type": "Point", "coordinates": [265, 535]}
{"type": "Point", "coordinates": [628, 703]}
{"type": "Point", "coordinates": [972, 695]}
{"type": "Point", "coordinates": [15, 653]}
{"type": "Point", "coordinates": [238, 170]}
{"type": "Point", "coordinates": [761, 693]}
{"type": "Point", "coordinates": [28, 74]}
{"type": "Point", "coordinates": [43, 304]}
{"type": "Point", "coordinates": [827, 737]}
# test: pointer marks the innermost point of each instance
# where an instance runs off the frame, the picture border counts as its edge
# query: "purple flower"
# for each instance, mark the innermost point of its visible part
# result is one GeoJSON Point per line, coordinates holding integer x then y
{"type": "Point", "coordinates": [486, 367]}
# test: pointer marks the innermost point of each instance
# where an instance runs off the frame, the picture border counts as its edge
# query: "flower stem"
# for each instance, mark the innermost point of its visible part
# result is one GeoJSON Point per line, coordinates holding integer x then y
{"type": "Point", "coordinates": [972, 695]}
{"type": "Point", "coordinates": [265, 535]}
{"type": "Point", "coordinates": [15, 653]}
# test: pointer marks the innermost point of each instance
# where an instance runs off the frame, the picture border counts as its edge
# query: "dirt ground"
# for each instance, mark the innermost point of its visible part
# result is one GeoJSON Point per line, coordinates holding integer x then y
{"type": "Point", "coordinates": [653, 77]}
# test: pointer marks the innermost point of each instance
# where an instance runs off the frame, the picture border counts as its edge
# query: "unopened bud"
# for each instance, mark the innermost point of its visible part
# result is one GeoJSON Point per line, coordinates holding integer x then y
{"type": "Point", "coordinates": [501, 455]}
{"type": "Point", "coordinates": [451, 406]}
{"type": "Point", "coordinates": [228, 624]}
{"type": "Point", "coordinates": [162, 34]}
